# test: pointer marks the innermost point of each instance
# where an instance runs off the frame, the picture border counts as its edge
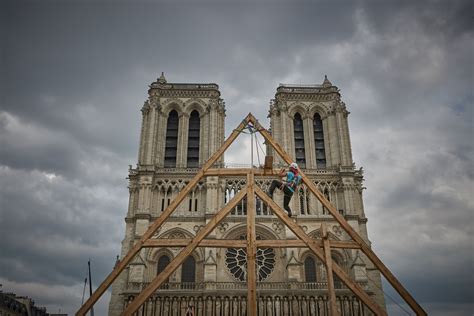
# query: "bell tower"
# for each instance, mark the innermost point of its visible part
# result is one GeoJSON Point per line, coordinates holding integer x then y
{"type": "Point", "coordinates": [182, 125]}
{"type": "Point", "coordinates": [311, 123]}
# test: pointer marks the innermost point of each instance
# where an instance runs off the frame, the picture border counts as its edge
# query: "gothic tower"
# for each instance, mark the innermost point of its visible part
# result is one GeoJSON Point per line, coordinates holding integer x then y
{"type": "Point", "coordinates": [311, 123]}
{"type": "Point", "coordinates": [182, 125]}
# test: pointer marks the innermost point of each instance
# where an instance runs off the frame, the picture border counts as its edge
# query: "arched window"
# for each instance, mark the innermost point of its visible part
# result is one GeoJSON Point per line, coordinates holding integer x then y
{"type": "Point", "coordinates": [193, 140]}
{"type": "Point", "coordinates": [319, 141]}
{"type": "Point", "coordinates": [299, 141]}
{"type": "Point", "coordinates": [188, 271]}
{"type": "Point", "coordinates": [309, 269]}
{"type": "Point", "coordinates": [337, 281]}
{"type": "Point", "coordinates": [163, 261]}
{"type": "Point", "coordinates": [171, 147]}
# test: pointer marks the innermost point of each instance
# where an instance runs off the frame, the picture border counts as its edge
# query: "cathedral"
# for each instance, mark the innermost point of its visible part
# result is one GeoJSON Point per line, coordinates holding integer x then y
{"type": "Point", "coordinates": [182, 126]}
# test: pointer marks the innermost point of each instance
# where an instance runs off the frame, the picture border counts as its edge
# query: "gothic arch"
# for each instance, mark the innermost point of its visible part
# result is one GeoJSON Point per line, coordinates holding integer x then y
{"type": "Point", "coordinates": [261, 230]}
{"type": "Point", "coordinates": [155, 253]}
{"type": "Point", "coordinates": [195, 104]}
{"type": "Point", "coordinates": [300, 108]}
{"type": "Point", "coordinates": [342, 254]}
{"type": "Point", "coordinates": [172, 104]}
{"type": "Point", "coordinates": [318, 108]}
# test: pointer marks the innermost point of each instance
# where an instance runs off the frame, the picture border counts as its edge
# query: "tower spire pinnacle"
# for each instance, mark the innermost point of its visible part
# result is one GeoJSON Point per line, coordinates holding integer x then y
{"type": "Point", "coordinates": [326, 82]}
{"type": "Point", "coordinates": [162, 78]}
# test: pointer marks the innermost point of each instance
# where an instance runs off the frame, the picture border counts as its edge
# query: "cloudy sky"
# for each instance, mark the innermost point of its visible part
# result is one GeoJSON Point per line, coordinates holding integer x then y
{"type": "Point", "coordinates": [74, 76]}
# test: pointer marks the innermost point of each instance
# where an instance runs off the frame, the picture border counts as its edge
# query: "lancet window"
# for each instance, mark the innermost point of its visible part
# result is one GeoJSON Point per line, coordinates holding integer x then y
{"type": "Point", "coordinates": [310, 269]}
{"type": "Point", "coordinates": [188, 270]}
{"type": "Point", "coordinates": [303, 201]}
{"type": "Point", "coordinates": [299, 141]}
{"type": "Point", "coordinates": [319, 141]}
{"type": "Point", "coordinates": [171, 147]}
{"type": "Point", "coordinates": [193, 140]}
{"type": "Point", "coordinates": [163, 262]}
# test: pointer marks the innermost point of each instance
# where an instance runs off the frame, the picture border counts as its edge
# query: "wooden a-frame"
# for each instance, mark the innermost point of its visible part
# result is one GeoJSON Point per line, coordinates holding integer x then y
{"type": "Point", "coordinates": [251, 243]}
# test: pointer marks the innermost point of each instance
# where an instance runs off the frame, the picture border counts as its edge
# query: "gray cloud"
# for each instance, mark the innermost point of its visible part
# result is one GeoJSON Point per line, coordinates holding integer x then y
{"type": "Point", "coordinates": [74, 76]}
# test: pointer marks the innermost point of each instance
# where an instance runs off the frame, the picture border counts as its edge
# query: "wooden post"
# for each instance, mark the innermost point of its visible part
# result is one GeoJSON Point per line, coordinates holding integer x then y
{"type": "Point", "coordinates": [344, 224]}
{"type": "Point", "coordinates": [157, 224]}
{"type": "Point", "coordinates": [251, 248]}
{"type": "Point", "coordinates": [327, 256]}
{"type": "Point", "coordinates": [183, 254]}
{"type": "Point", "coordinates": [313, 245]}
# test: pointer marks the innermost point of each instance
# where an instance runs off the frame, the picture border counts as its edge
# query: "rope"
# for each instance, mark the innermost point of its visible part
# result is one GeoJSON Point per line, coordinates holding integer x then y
{"type": "Point", "coordinates": [386, 294]}
{"type": "Point", "coordinates": [83, 292]}
{"type": "Point", "coordinates": [256, 142]}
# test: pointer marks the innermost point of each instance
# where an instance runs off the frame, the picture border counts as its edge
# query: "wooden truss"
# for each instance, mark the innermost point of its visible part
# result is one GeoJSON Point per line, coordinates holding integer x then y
{"type": "Point", "coordinates": [251, 244]}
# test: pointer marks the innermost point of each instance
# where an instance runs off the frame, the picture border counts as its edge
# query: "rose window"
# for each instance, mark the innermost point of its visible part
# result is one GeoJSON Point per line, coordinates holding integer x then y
{"type": "Point", "coordinates": [236, 262]}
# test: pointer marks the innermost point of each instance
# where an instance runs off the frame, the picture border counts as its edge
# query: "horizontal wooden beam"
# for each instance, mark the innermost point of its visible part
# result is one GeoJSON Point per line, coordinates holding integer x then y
{"type": "Point", "coordinates": [213, 243]}
{"type": "Point", "coordinates": [241, 172]}
{"type": "Point", "coordinates": [238, 243]}
{"type": "Point", "coordinates": [293, 243]}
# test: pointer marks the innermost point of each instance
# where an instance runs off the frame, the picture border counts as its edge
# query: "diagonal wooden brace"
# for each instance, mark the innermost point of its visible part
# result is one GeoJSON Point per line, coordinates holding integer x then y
{"type": "Point", "coordinates": [299, 232]}
{"type": "Point", "coordinates": [344, 224]}
{"type": "Point", "coordinates": [157, 224]}
{"type": "Point", "coordinates": [183, 254]}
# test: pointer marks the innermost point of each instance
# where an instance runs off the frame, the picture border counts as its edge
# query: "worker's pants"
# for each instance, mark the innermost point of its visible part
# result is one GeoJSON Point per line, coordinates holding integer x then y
{"type": "Point", "coordinates": [287, 193]}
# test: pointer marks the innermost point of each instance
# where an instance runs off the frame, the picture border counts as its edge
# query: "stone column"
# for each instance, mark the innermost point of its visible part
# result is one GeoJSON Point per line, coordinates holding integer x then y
{"type": "Point", "coordinates": [160, 139]}
{"type": "Point", "coordinates": [341, 138]}
{"type": "Point", "coordinates": [327, 141]}
{"type": "Point", "coordinates": [332, 135]}
{"type": "Point", "coordinates": [144, 133]}
{"type": "Point", "coordinates": [150, 137]}
{"type": "Point", "coordinates": [182, 141]}
{"type": "Point", "coordinates": [347, 137]}
{"type": "Point", "coordinates": [309, 144]}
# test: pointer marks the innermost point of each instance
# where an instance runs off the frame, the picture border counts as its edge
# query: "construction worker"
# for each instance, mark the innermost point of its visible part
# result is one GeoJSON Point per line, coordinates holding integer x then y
{"type": "Point", "coordinates": [288, 187]}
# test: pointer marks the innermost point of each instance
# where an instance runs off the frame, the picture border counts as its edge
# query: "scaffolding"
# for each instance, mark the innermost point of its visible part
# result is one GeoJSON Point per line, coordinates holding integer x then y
{"type": "Point", "coordinates": [251, 243]}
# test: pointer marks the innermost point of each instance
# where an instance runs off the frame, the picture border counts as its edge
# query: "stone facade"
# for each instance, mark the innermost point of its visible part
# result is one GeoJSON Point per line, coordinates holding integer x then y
{"type": "Point", "coordinates": [292, 281]}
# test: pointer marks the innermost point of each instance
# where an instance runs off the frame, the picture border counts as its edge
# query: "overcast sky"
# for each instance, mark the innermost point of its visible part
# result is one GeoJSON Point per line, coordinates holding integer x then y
{"type": "Point", "coordinates": [74, 76]}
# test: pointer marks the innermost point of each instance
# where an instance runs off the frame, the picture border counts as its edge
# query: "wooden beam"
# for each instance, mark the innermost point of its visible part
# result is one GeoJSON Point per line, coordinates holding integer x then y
{"type": "Point", "coordinates": [327, 256]}
{"type": "Point", "coordinates": [251, 248]}
{"type": "Point", "coordinates": [238, 243]}
{"type": "Point", "coordinates": [159, 221]}
{"type": "Point", "coordinates": [212, 243]}
{"type": "Point", "coordinates": [287, 243]}
{"type": "Point", "coordinates": [183, 254]}
{"type": "Point", "coordinates": [240, 172]}
{"type": "Point", "coordinates": [344, 224]}
{"type": "Point", "coordinates": [299, 232]}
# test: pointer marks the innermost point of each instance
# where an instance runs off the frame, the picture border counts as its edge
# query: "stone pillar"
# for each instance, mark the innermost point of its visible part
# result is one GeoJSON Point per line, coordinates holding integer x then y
{"type": "Point", "coordinates": [160, 139]}
{"type": "Point", "coordinates": [210, 265]}
{"type": "Point", "coordinates": [308, 147]}
{"type": "Point", "coordinates": [309, 144]}
{"type": "Point", "coordinates": [327, 141]}
{"type": "Point", "coordinates": [144, 133]}
{"type": "Point", "coordinates": [150, 140]}
{"type": "Point", "coordinates": [334, 147]}
{"type": "Point", "coordinates": [345, 130]}
{"type": "Point", "coordinates": [358, 267]}
{"type": "Point", "coordinates": [182, 141]}
{"type": "Point", "coordinates": [294, 267]}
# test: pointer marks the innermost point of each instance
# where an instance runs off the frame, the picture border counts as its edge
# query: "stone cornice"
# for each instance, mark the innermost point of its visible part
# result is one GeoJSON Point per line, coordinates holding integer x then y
{"type": "Point", "coordinates": [307, 93]}
{"type": "Point", "coordinates": [184, 90]}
